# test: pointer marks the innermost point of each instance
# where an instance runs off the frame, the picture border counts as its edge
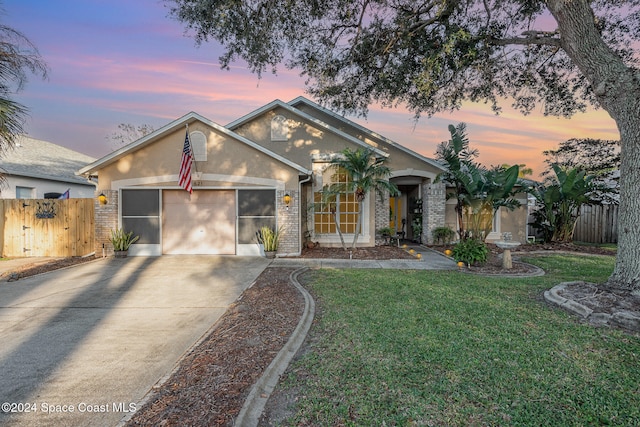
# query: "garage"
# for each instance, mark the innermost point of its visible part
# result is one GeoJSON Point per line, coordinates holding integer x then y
{"type": "Point", "coordinates": [201, 223]}
{"type": "Point", "coordinates": [205, 222]}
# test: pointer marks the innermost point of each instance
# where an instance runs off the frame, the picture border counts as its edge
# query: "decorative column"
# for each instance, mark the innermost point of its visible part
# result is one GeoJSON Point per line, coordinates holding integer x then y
{"type": "Point", "coordinates": [381, 215]}
{"type": "Point", "coordinates": [288, 220]}
{"type": "Point", "coordinates": [433, 208]}
{"type": "Point", "coordinates": [105, 219]}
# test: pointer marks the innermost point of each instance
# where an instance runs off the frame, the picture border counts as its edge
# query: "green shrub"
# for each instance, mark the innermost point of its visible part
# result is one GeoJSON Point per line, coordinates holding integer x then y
{"type": "Point", "coordinates": [386, 231]}
{"type": "Point", "coordinates": [471, 251]}
{"type": "Point", "coordinates": [443, 235]}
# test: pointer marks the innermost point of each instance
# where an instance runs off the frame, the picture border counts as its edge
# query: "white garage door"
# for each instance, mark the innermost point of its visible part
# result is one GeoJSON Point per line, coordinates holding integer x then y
{"type": "Point", "coordinates": [199, 223]}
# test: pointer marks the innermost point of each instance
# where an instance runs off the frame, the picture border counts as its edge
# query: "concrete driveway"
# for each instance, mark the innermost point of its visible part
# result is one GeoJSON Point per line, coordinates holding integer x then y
{"type": "Point", "coordinates": [82, 346]}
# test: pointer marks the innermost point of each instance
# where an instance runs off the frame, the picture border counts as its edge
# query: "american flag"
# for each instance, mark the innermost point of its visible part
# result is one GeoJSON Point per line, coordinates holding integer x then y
{"type": "Point", "coordinates": [184, 178]}
{"type": "Point", "coordinates": [64, 195]}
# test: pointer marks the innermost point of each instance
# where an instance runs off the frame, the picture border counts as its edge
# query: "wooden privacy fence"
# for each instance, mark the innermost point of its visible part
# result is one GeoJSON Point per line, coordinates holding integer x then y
{"type": "Point", "coordinates": [46, 227]}
{"type": "Point", "coordinates": [597, 224]}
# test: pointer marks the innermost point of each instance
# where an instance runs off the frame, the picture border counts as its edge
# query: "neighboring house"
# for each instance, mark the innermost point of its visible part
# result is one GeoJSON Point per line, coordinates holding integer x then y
{"type": "Point", "coordinates": [36, 169]}
{"type": "Point", "coordinates": [241, 175]}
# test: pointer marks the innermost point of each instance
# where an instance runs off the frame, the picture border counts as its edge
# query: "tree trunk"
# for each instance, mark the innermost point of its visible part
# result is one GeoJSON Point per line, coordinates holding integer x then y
{"type": "Point", "coordinates": [626, 274]}
{"type": "Point", "coordinates": [358, 224]}
{"type": "Point", "coordinates": [459, 212]}
{"type": "Point", "coordinates": [335, 221]}
{"type": "Point", "coordinates": [617, 88]}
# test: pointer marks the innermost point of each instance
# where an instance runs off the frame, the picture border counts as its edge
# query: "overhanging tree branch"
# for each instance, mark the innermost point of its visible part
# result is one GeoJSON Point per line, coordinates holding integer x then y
{"type": "Point", "coordinates": [542, 38]}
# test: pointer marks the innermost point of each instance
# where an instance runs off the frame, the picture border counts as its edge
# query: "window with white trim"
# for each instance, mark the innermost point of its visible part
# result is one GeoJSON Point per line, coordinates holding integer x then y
{"type": "Point", "coordinates": [343, 206]}
{"type": "Point", "coordinates": [199, 146]}
{"type": "Point", "coordinates": [279, 128]}
{"type": "Point", "coordinates": [24, 192]}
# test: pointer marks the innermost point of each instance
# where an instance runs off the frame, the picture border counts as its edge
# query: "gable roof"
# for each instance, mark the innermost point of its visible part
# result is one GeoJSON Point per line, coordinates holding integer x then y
{"type": "Point", "coordinates": [322, 125]}
{"type": "Point", "coordinates": [35, 158]}
{"type": "Point", "coordinates": [302, 100]}
{"type": "Point", "coordinates": [171, 127]}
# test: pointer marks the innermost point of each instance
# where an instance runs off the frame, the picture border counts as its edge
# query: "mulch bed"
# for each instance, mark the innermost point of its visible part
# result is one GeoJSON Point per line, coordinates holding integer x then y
{"type": "Point", "coordinates": [31, 269]}
{"type": "Point", "coordinates": [493, 266]}
{"type": "Point", "coordinates": [212, 382]}
{"type": "Point", "coordinates": [376, 252]}
{"type": "Point", "coordinates": [602, 300]}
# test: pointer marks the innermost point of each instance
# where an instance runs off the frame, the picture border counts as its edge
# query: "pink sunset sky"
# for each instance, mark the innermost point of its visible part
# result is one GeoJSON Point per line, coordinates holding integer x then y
{"type": "Point", "coordinates": [124, 61]}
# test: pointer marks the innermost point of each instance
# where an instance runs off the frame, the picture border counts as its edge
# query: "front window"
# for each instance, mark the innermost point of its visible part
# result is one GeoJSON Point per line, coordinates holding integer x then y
{"type": "Point", "coordinates": [279, 128]}
{"type": "Point", "coordinates": [24, 192]}
{"type": "Point", "coordinates": [198, 146]}
{"type": "Point", "coordinates": [343, 206]}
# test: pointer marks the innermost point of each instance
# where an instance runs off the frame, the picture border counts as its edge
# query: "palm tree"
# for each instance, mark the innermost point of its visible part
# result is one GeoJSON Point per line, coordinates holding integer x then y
{"type": "Point", "coordinates": [559, 202]}
{"type": "Point", "coordinates": [479, 192]}
{"type": "Point", "coordinates": [18, 56]}
{"type": "Point", "coordinates": [524, 171]}
{"type": "Point", "coordinates": [462, 170]}
{"type": "Point", "coordinates": [365, 173]}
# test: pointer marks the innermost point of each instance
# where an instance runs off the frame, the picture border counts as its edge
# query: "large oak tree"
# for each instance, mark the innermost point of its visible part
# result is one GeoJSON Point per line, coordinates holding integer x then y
{"type": "Point", "coordinates": [432, 55]}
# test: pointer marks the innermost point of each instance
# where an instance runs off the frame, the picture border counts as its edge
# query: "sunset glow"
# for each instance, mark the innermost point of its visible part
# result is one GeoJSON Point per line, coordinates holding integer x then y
{"type": "Point", "coordinates": [127, 62]}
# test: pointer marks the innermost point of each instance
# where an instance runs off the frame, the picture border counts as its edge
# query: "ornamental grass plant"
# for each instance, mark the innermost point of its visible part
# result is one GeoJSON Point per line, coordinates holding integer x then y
{"type": "Point", "coordinates": [269, 238]}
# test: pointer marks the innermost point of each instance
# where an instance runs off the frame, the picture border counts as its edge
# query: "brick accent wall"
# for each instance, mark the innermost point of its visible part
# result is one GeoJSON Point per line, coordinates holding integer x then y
{"type": "Point", "coordinates": [381, 214]}
{"type": "Point", "coordinates": [106, 219]}
{"type": "Point", "coordinates": [289, 219]}
{"type": "Point", "coordinates": [433, 206]}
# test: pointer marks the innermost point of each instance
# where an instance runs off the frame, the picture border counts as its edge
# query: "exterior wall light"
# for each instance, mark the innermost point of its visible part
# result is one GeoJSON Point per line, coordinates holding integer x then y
{"type": "Point", "coordinates": [287, 200]}
{"type": "Point", "coordinates": [102, 199]}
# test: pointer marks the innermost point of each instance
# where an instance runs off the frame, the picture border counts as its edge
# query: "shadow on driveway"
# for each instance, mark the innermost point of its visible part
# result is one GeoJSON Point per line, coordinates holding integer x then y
{"type": "Point", "coordinates": [81, 346]}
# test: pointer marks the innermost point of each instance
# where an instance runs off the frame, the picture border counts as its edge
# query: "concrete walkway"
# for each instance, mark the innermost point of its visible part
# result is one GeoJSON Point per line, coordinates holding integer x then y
{"type": "Point", "coordinates": [81, 346]}
{"type": "Point", "coordinates": [430, 260]}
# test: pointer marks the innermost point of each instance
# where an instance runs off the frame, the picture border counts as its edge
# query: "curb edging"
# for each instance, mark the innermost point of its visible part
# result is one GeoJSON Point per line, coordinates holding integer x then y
{"type": "Point", "coordinates": [261, 391]}
{"type": "Point", "coordinates": [624, 319]}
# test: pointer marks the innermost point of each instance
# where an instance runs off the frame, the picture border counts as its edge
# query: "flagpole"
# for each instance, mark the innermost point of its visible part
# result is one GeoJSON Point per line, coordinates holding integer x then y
{"type": "Point", "coordinates": [194, 163]}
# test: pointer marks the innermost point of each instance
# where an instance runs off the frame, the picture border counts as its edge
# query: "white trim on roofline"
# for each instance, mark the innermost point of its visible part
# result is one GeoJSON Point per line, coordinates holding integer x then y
{"type": "Point", "coordinates": [150, 181]}
{"type": "Point", "coordinates": [184, 120]}
{"type": "Point", "coordinates": [302, 99]}
{"type": "Point", "coordinates": [278, 103]}
{"type": "Point", "coordinates": [77, 181]}
{"type": "Point", "coordinates": [412, 172]}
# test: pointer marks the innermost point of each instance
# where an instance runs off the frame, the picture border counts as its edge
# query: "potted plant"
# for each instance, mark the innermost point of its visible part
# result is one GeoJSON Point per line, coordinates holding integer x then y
{"type": "Point", "coordinates": [443, 235]}
{"type": "Point", "coordinates": [121, 241]}
{"type": "Point", "coordinates": [385, 233]}
{"type": "Point", "coordinates": [269, 239]}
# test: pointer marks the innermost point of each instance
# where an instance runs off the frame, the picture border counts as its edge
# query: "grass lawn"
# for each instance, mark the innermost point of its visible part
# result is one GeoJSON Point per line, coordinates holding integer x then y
{"type": "Point", "coordinates": [450, 349]}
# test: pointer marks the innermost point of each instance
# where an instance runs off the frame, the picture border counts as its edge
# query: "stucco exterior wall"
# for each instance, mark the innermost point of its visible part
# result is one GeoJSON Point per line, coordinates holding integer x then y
{"type": "Point", "coordinates": [305, 140]}
{"type": "Point", "coordinates": [398, 159]}
{"type": "Point", "coordinates": [159, 163]}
